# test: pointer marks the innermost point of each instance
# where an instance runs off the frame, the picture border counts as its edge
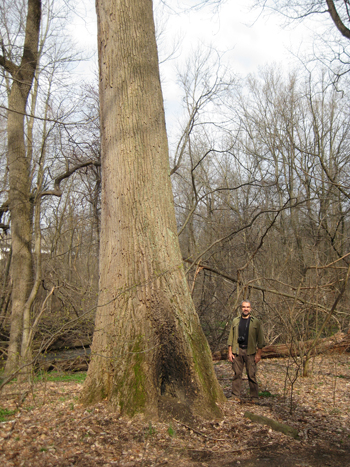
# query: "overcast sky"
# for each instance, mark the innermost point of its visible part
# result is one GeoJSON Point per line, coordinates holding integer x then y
{"type": "Point", "coordinates": [246, 38]}
{"type": "Point", "coordinates": [250, 38]}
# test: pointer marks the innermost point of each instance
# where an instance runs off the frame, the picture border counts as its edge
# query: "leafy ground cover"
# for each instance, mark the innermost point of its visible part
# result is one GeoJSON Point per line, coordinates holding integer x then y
{"type": "Point", "coordinates": [45, 425]}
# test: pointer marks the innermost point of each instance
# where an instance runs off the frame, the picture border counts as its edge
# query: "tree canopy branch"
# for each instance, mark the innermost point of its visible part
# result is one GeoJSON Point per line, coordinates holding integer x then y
{"type": "Point", "coordinates": [57, 189]}
{"type": "Point", "coordinates": [8, 65]}
{"type": "Point", "coordinates": [337, 20]}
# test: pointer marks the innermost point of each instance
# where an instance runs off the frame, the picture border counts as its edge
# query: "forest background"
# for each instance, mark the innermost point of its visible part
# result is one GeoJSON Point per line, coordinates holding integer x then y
{"type": "Point", "coordinates": [260, 175]}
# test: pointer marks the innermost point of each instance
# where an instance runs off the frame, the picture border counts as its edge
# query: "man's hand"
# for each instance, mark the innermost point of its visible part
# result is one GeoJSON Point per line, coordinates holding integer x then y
{"type": "Point", "coordinates": [231, 357]}
{"type": "Point", "coordinates": [258, 356]}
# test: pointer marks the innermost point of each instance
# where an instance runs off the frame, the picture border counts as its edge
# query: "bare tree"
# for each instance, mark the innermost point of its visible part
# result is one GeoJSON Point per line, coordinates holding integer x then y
{"type": "Point", "coordinates": [149, 353]}
{"type": "Point", "coordinates": [22, 72]}
{"type": "Point", "coordinates": [45, 141]}
{"type": "Point", "coordinates": [270, 219]}
{"type": "Point", "coordinates": [334, 15]}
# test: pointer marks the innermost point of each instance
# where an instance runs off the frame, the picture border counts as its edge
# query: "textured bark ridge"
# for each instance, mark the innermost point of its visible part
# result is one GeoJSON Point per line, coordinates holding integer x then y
{"type": "Point", "coordinates": [149, 353]}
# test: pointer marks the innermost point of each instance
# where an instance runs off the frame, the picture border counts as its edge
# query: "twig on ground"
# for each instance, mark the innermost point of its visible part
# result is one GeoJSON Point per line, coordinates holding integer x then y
{"type": "Point", "coordinates": [199, 432]}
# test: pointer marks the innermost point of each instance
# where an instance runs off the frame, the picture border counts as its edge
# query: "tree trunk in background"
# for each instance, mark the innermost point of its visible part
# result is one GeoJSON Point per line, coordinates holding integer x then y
{"type": "Point", "coordinates": [20, 180]}
{"type": "Point", "coordinates": [149, 353]}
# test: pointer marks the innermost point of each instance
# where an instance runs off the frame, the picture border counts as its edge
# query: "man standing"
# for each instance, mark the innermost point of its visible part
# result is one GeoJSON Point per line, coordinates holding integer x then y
{"type": "Point", "coordinates": [245, 344]}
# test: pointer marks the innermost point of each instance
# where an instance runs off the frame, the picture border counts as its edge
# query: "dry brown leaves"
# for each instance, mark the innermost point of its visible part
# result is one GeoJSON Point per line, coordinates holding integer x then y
{"type": "Point", "coordinates": [52, 429]}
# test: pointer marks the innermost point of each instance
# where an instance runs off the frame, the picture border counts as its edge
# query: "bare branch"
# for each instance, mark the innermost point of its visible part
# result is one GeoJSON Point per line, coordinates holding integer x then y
{"type": "Point", "coordinates": [45, 119]}
{"type": "Point", "coordinates": [57, 189]}
{"type": "Point", "coordinates": [264, 289]}
{"type": "Point", "coordinates": [9, 66]}
{"type": "Point", "coordinates": [337, 20]}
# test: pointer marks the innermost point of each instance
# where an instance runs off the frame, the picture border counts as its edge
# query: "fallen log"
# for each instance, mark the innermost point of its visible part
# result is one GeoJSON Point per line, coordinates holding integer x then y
{"type": "Point", "coordinates": [338, 343]}
{"type": "Point", "coordinates": [281, 427]}
{"type": "Point", "coordinates": [71, 365]}
{"type": "Point", "coordinates": [343, 345]}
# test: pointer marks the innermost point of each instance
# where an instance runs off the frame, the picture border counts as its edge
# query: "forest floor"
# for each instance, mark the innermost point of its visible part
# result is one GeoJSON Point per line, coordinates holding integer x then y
{"type": "Point", "coordinates": [46, 426]}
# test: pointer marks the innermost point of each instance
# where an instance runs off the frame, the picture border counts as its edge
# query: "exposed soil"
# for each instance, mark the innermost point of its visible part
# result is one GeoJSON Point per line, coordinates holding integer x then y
{"type": "Point", "coordinates": [50, 427]}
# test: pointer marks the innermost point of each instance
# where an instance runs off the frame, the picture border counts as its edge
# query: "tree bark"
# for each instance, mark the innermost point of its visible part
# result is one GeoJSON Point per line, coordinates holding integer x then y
{"type": "Point", "coordinates": [149, 351]}
{"type": "Point", "coordinates": [20, 180]}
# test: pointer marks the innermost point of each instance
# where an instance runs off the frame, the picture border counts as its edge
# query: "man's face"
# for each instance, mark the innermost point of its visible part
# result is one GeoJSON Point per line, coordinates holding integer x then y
{"type": "Point", "coordinates": [245, 308]}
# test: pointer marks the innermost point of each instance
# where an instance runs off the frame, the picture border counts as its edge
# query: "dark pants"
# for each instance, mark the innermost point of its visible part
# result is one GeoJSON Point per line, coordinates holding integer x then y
{"type": "Point", "coordinates": [238, 364]}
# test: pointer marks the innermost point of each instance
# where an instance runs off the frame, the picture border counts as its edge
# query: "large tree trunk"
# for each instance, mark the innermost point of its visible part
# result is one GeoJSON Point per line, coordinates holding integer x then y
{"type": "Point", "coordinates": [20, 181]}
{"type": "Point", "coordinates": [149, 353]}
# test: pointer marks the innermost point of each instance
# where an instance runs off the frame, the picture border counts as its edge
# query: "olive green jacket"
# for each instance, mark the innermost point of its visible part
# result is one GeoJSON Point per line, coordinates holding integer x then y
{"type": "Point", "coordinates": [255, 336]}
